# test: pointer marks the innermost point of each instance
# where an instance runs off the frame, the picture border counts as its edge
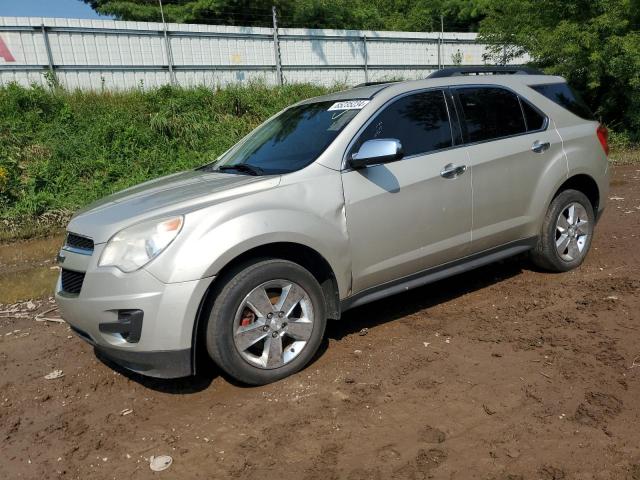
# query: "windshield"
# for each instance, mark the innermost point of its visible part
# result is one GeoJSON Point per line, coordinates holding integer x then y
{"type": "Point", "coordinates": [290, 141]}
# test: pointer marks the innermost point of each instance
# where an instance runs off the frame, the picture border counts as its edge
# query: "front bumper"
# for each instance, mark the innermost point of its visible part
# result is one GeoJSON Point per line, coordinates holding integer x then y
{"type": "Point", "coordinates": [162, 347]}
{"type": "Point", "coordinates": [168, 364]}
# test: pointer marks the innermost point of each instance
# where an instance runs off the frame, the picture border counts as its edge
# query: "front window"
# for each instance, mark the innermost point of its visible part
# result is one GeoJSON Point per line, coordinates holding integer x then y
{"type": "Point", "coordinates": [290, 141]}
{"type": "Point", "coordinates": [419, 121]}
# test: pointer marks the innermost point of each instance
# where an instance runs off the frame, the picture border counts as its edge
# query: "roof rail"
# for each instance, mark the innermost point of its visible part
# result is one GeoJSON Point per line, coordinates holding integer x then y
{"type": "Point", "coordinates": [383, 82]}
{"type": "Point", "coordinates": [485, 70]}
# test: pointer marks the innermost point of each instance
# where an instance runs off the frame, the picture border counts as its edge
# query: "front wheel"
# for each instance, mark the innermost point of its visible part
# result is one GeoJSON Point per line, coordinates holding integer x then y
{"type": "Point", "coordinates": [566, 232]}
{"type": "Point", "coordinates": [266, 322]}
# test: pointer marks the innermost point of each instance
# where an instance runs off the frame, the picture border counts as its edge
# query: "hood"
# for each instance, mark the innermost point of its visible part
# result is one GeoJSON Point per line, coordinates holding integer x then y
{"type": "Point", "coordinates": [174, 194]}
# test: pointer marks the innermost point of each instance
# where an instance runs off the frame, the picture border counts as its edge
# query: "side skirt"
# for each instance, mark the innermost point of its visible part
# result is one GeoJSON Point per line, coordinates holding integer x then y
{"type": "Point", "coordinates": [440, 272]}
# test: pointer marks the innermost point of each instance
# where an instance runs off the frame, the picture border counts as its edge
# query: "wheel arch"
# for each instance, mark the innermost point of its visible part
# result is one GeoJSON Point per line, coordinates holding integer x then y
{"type": "Point", "coordinates": [583, 183]}
{"type": "Point", "coordinates": [301, 254]}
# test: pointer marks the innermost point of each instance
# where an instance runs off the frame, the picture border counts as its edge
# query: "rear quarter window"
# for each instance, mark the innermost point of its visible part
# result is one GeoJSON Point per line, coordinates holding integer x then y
{"type": "Point", "coordinates": [563, 95]}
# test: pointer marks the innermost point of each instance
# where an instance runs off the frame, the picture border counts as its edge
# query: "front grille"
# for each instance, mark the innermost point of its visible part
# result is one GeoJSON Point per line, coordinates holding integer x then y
{"type": "Point", "coordinates": [78, 241]}
{"type": "Point", "coordinates": [71, 281]}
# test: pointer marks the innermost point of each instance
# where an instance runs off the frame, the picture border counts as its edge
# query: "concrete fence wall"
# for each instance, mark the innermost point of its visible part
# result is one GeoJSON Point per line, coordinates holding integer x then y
{"type": "Point", "coordinates": [97, 54]}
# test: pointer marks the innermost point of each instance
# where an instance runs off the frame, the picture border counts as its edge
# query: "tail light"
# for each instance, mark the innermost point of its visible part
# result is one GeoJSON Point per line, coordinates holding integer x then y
{"type": "Point", "coordinates": [603, 136]}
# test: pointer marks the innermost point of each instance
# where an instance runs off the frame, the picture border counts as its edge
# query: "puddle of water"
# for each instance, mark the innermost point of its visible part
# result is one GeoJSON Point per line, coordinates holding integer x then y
{"type": "Point", "coordinates": [25, 269]}
{"type": "Point", "coordinates": [34, 282]}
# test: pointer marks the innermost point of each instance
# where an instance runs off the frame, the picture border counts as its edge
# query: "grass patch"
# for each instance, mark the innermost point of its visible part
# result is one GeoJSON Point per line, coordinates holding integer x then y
{"type": "Point", "coordinates": [61, 150]}
{"type": "Point", "coordinates": [625, 156]}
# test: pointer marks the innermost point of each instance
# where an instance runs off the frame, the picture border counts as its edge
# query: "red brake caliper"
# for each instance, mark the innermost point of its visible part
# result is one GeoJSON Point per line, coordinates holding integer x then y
{"type": "Point", "coordinates": [248, 317]}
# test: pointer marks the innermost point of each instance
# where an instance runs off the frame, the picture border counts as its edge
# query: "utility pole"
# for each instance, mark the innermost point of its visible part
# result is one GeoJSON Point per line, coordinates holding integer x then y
{"type": "Point", "coordinates": [276, 45]}
{"type": "Point", "coordinates": [440, 40]}
{"type": "Point", "coordinates": [167, 46]}
{"type": "Point", "coordinates": [365, 55]}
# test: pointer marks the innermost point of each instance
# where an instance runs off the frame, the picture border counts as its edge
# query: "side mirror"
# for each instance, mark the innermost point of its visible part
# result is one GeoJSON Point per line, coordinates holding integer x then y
{"type": "Point", "coordinates": [377, 151]}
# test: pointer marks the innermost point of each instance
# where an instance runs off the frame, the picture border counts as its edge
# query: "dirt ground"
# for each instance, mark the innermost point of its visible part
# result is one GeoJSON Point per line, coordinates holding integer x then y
{"type": "Point", "coordinates": [502, 373]}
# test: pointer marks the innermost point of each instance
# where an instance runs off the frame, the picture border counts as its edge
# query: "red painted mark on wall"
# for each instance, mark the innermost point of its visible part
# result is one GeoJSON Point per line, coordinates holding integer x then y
{"type": "Point", "coordinates": [5, 52]}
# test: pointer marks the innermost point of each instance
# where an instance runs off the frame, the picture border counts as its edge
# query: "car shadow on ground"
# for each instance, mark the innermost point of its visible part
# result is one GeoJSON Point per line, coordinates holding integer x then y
{"type": "Point", "coordinates": [207, 372]}
{"type": "Point", "coordinates": [367, 316]}
{"type": "Point", "coordinates": [401, 305]}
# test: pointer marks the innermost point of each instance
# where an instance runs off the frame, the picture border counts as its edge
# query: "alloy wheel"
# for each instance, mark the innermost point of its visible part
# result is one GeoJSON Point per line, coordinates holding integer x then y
{"type": "Point", "coordinates": [273, 324]}
{"type": "Point", "coordinates": [572, 232]}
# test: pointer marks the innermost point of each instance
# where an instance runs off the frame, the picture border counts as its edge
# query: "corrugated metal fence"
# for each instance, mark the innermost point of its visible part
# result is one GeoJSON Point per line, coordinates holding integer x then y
{"type": "Point", "coordinates": [96, 54]}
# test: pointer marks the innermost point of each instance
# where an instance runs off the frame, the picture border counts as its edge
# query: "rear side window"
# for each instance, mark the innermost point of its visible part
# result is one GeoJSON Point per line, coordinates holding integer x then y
{"type": "Point", "coordinates": [490, 113]}
{"type": "Point", "coordinates": [562, 94]}
{"type": "Point", "coordinates": [420, 121]}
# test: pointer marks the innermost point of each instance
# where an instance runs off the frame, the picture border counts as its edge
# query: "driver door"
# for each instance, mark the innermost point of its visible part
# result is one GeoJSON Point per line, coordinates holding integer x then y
{"type": "Point", "coordinates": [413, 214]}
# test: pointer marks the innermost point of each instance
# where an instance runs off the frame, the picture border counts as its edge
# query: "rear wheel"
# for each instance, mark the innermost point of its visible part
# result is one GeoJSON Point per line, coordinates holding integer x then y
{"type": "Point", "coordinates": [566, 232]}
{"type": "Point", "coordinates": [267, 321]}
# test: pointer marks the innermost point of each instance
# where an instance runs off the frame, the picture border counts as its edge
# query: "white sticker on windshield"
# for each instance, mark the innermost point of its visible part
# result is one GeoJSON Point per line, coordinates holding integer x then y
{"type": "Point", "coordinates": [348, 105]}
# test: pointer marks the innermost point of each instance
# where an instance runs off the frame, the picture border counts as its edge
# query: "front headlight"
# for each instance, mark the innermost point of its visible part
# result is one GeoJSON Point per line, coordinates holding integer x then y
{"type": "Point", "coordinates": [133, 247]}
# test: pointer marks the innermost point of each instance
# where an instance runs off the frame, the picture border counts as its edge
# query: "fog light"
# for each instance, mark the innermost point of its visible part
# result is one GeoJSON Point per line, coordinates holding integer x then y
{"type": "Point", "coordinates": [129, 325]}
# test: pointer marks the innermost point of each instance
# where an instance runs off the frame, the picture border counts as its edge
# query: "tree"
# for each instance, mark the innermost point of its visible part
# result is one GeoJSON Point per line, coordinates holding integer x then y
{"type": "Point", "coordinates": [407, 15]}
{"type": "Point", "coordinates": [594, 44]}
{"type": "Point", "coordinates": [221, 12]}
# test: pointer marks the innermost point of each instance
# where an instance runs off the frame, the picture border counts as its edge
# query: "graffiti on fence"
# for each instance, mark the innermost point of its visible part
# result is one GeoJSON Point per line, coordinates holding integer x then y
{"type": "Point", "coordinates": [5, 52]}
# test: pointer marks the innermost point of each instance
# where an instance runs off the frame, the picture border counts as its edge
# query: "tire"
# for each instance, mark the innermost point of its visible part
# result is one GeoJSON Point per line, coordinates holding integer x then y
{"type": "Point", "coordinates": [247, 307]}
{"type": "Point", "coordinates": [550, 252]}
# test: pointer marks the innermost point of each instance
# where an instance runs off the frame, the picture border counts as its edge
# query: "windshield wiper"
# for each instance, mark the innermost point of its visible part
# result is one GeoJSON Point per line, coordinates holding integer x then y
{"type": "Point", "coordinates": [242, 167]}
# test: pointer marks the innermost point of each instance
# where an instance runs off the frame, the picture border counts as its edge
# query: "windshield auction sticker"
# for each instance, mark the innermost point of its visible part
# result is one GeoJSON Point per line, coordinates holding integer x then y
{"type": "Point", "coordinates": [348, 105]}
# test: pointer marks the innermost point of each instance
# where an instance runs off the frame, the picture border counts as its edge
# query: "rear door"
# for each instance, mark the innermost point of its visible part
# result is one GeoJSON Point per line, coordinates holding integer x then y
{"type": "Point", "coordinates": [511, 147]}
{"type": "Point", "coordinates": [405, 216]}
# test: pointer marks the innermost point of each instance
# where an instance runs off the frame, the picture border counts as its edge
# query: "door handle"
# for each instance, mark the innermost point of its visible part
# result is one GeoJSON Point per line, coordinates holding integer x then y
{"type": "Point", "coordinates": [452, 171]}
{"type": "Point", "coordinates": [540, 147]}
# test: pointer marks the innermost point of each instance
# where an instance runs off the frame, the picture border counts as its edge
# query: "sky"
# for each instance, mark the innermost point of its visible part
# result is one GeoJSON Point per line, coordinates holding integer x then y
{"type": "Point", "coordinates": [47, 8]}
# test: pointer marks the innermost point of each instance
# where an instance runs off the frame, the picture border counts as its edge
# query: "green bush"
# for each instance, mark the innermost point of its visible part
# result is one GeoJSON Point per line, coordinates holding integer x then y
{"type": "Point", "coordinates": [60, 150]}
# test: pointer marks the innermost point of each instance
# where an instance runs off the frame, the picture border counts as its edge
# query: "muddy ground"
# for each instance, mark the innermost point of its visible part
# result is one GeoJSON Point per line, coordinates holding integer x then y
{"type": "Point", "coordinates": [502, 373]}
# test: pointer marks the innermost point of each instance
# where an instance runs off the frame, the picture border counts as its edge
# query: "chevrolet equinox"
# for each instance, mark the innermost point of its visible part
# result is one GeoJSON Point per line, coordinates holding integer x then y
{"type": "Point", "coordinates": [334, 202]}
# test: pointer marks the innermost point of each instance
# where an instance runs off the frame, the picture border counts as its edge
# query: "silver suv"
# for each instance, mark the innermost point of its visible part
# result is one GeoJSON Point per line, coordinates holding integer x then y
{"type": "Point", "coordinates": [334, 202]}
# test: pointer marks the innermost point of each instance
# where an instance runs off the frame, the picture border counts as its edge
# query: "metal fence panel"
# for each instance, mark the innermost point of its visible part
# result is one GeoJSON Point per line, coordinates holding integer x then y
{"type": "Point", "coordinates": [107, 54]}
